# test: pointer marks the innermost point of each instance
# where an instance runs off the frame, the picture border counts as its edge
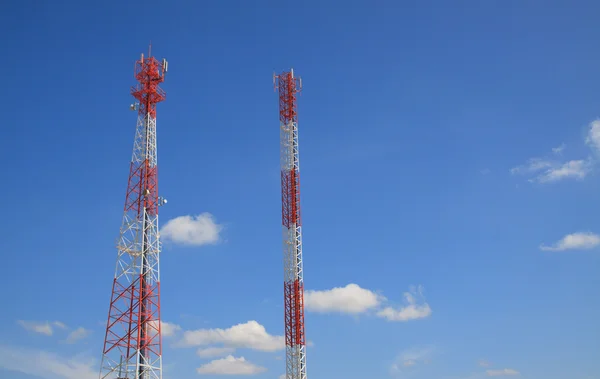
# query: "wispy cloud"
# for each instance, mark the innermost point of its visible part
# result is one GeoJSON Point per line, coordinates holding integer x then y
{"type": "Point", "coordinates": [60, 325]}
{"type": "Point", "coordinates": [489, 372]}
{"type": "Point", "coordinates": [409, 359]}
{"type": "Point", "coordinates": [559, 149]}
{"type": "Point", "coordinates": [533, 165]}
{"type": "Point", "coordinates": [46, 365]}
{"type": "Point", "coordinates": [48, 328]}
{"type": "Point", "coordinates": [553, 168]}
{"type": "Point", "coordinates": [415, 307]}
{"type": "Point", "coordinates": [502, 372]}
{"type": "Point", "coordinates": [192, 230]}
{"type": "Point", "coordinates": [574, 241]}
{"type": "Point", "coordinates": [546, 171]}
{"type": "Point", "coordinates": [41, 327]}
{"type": "Point", "coordinates": [575, 169]}
{"type": "Point", "coordinates": [77, 335]}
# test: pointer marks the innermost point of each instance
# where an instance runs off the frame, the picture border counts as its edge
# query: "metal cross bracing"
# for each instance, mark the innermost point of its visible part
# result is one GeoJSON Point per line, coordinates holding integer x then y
{"type": "Point", "coordinates": [288, 87]}
{"type": "Point", "coordinates": [132, 346]}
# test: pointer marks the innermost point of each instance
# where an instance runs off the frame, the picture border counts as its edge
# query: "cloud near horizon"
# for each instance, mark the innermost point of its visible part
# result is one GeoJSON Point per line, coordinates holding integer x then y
{"type": "Point", "coordinates": [502, 372]}
{"type": "Point", "coordinates": [47, 365]}
{"type": "Point", "coordinates": [230, 365]}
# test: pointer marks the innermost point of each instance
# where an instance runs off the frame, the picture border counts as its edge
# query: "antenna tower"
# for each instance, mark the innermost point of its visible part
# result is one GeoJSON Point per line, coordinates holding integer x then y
{"type": "Point", "coordinates": [132, 344]}
{"type": "Point", "coordinates": [293, 286]}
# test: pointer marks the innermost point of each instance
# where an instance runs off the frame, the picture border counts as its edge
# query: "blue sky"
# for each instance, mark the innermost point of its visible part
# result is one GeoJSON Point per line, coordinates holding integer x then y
{"type": "Point", "coordinates": [462, 246]}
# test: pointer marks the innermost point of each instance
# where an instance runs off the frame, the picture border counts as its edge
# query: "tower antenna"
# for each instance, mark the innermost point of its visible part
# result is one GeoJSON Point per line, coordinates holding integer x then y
{"type": "Point", "coordinates": [133, 342]}
{"type": "Point", "coordinates": [288, 87]}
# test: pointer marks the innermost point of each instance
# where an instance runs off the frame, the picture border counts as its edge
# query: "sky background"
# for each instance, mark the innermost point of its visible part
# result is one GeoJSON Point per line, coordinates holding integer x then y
{"type": "Point", "coordinates": [462, 245]}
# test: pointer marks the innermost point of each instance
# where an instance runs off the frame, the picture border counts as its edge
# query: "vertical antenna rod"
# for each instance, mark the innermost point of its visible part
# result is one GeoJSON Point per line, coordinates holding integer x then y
{"type": "Point", "coordinates": [293, 286]}
{"type": "Point", "coordinates": [132, 343]}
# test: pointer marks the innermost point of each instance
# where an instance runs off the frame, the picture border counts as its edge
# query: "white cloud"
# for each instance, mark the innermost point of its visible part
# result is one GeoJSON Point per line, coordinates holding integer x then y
{"type": "Point", "coordinates": [169, 329]}
{"type": "Point", "coordinates": [192, 230]}
{"type": "Point", "coordinates": [593, 137]}
{"type": "Point", "coordinates": [282, 376]}
{"type": "Point", "coordinates": [503, 372]}
{"type": "Point", "coordinates": [411, 311]}
{"type": "Point", "coordinates": [484, 363]}
{"type": "Point", "coordinates": [46, 365]}
{"type": "Point", "coordinates": [559, 149]}
{"type": "Point", "coordinates": [211, 352]}
{"type": "Point", "coordinates": [410, 358]}
{"type": "Point", "coordinates": [230, 365]}
{"type": "Point", "coordinates": [547, 171]}
{"type": "Point", "coordinates": [60, 325]}
{"type": "Point", "coordinates": [569, 170]}
{"type": "Point", "coordinates": [43, 327]}
{"type": "Point", "coordinates": [353, 299]}
{"type": "Point", "coordinates": [47, 328]}
{"type": "Point", "coordinates": [349, 299]}
{"type": "Point", "coordinates": [579, 241]}
{"type": "Point", "coordinates": [251, 335]}
{"type": "Point", "coordinates": [532, 165]}
{"type": "Point", "coordinates": [77, 334]}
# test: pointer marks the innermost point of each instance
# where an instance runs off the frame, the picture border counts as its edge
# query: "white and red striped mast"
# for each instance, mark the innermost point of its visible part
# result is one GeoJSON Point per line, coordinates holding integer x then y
{"type": "Point", "coordinates": [288, 87]}
{"type": "Point", "coordinates": [132, 344]}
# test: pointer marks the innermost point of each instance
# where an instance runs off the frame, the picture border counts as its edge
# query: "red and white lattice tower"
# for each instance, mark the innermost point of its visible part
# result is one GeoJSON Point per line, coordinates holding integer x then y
{"type": "Point", "coordinates": [132, 345]}
{"type": "Point", "coordinates": [293, 286]}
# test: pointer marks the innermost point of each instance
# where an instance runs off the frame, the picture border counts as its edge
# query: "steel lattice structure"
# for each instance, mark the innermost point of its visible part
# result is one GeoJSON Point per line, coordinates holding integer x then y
{"type": "Point", "coordinates": [288, 87]}
{"type": "Point", "coordinates": [132, 345]}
